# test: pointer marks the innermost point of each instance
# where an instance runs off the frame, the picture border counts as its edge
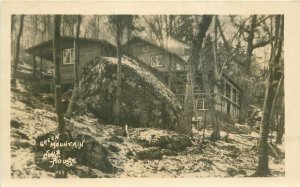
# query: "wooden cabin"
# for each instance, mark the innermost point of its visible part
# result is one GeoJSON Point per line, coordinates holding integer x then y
{"type": "Point", "coordinates": [153, 56]}
{"type": "Point", "coordinates": [89, 48]}
{"type": "Point", "coordinates": [228, 97]}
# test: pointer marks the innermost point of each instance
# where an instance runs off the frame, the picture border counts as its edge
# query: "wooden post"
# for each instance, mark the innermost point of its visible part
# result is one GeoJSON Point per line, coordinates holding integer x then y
{"type": "Point", "coordinates": [231, 98]}
{"type": "Point", "coordinates": [41, 67]}
{"type": "Point", "coordinates": [34, 66]}
{"type": "Point", "coordinates": [16, 60]}
{"type": "Point", "coordinates": [61, 173]}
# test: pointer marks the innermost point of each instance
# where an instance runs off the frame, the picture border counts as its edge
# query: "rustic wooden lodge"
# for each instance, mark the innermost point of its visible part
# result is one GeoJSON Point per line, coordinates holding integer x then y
{"type": "Point", "coordinates": [228, 101]}
{"type": "Point", "coordinates": [152, 55]}
{"type": "Point", "coordinates": [89, 49]}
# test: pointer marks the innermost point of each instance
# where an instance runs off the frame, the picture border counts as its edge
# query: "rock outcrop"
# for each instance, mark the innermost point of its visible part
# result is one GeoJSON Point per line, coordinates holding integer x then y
{"type": "Point", "coordinates": [145, 101]}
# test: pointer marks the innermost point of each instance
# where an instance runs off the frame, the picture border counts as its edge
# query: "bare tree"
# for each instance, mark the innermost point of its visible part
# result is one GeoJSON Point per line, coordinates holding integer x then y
{"type": "Point", "coordinates": [68, 24]}
{"type": "Point", "coordinates": [120, 24]}
{"type": "Point", "coordinates": [76, 70]}
{"type": "Point", "coordinates": [12, 31]}
{"type": "Point", "coordinates": [185, 124]}
{"type": "Point", "coordinates": [217, 78]}
{"type": "Point", "coordinates": [252, 33]}
{"type": "Point", "coordinates": [273, 81]}
{"type": "Point", "coordinates": [16, 61]}
{"type": "Point", "coordinates": [57, 85]}
{"type": "Point", "coordinates": [35, 23]}
{"type": "Point", "coordinates": [160, 29]}
{"type": "Point", "coordinates": [169, 30]}
{"type": "Point", "coordinates": [280, 124]}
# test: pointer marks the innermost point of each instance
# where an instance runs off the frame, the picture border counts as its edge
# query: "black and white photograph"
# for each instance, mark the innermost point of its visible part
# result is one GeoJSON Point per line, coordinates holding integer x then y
{"type": "Point", "coordinates": [96, 96]}
{"type": "Point", "coordinates": [149, 94]}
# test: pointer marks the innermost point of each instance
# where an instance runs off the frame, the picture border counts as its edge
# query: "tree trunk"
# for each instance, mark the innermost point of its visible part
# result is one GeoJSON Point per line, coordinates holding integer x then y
{"type": "Point", "coordinates": [185, 124]}
{"type": "Point", "coordinates": [263, 166]}
{"type": "Point", "coordinates": [36, 19]}
{"type": "Point", "coordinates": [170, 70]}
{"type": "Point", "coordinates": [12, 23]}
{"type": "Point", "coordinates": [279, 84]}
{"type": "Point", "coordinates": [13, 36]}
{"type": "Point", "coordinates": [169, 34]}
{"type": "Point", "coordinates": [16, 62]}
{"type": "Point", "coordinates": [34, 66]}
{"type": "Point", "coordinates": [41, 67]}
{"type": "Point", "coordinates": [280, 124]}
{"type": "Point", "coordinates": [76, 71]}
{"type": "Point", "coordinates": [211, 101]}
{"type": "Point", "coordinates": [250, 48]}
{"type": "Point", "coordinates": [277, 91]}
{"type": "Point", "coordinates": [45, 26]}
{"type": "Point", "coordinates": [119, 71]}
{"type": "Point", "coordinates": [57, 88]}
{"type": "Point", "coordinates": [48, 26]}
{"type": "Point", "coordinates": [280, 129]}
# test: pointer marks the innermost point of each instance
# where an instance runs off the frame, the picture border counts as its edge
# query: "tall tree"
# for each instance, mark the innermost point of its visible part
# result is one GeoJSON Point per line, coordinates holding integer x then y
{"type": "Point", "coordinates": [183, 28]}
{"type": "Point", "coordinates": [273, 81]}
{"type": "Point", "coordinates": [207, 62]}
{"type": "Point", "coordinates": [68, 24]}
{"type": "Point", "coordinates": [216, 79]}
{"type": "Point", "coordinates": [280, 124]}
{"type": "Point", "coordinates": [57, 85]}
{"type": "Point", "coordinates": [160, 29]}
{"type": "Point", "coordinates": [46, 29]}
{"type": "Point", "coordinates": [185, 124]}
{"type": "Point", "coordinates": [16, 61]}
{"type": "Point", "coordinates": [76, 70]}
{"type": "Point", "coordinates": [120, 24]}
{"type": "Point", "coordinates": [251, 34]}
{"type": "Point", "coordinates": [12, 31]}
{"type": "Point", "coordinates": [169, 31]}
{"type": "Point", "coordinates": [35, 23]}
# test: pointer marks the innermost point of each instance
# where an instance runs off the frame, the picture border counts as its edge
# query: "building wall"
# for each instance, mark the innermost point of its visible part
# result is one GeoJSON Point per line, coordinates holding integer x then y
{"type": "Point", "coordinates": [228, 102]}
{"type": "Point", "coordinates": [143, 51]}
{"type": "Point", "coordinates": [87, 52]}
{"type": "Point", "coordinates": [225, 103]}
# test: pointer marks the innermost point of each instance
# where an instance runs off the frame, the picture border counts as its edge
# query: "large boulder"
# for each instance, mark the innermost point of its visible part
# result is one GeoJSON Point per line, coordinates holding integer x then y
{"type": "Point", "coordinates": [145, 101]}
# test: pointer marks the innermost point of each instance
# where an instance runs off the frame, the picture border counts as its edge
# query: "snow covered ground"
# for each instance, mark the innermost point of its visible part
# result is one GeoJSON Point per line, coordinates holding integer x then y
{"type": "Point", "coordinates": [31, 116]}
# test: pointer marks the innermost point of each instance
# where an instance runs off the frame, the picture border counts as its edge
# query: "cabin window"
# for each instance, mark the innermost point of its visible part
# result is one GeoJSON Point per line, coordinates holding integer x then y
{"type": "Point", "coordinates": [157, 60]}
{"type": "Point", "coordinates": [68, 56]}
{"type": "Point", "coordinates": [146, 49]}
{"type": "Point", "coordinates": [202, 104]}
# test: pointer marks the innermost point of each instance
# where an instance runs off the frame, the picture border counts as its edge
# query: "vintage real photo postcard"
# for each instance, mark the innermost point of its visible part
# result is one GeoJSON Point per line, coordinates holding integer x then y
{"type": "Point", "coordinates": [149, 94]}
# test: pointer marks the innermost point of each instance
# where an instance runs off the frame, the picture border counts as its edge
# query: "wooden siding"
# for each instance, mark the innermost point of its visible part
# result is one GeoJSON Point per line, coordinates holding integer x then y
{"type": "Point", "coordinates": [136, 49]}
{"type": "Point", "coordinates": [88, 51]}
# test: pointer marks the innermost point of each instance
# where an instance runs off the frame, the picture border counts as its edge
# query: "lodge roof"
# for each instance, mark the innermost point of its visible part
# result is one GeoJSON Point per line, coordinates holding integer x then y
{"type": "Point", "coordinates": [44, 49]}
{"type": "Point", "coordinates": [227, 77]}
{"type": "Point", "coordinates": [174, 47]}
